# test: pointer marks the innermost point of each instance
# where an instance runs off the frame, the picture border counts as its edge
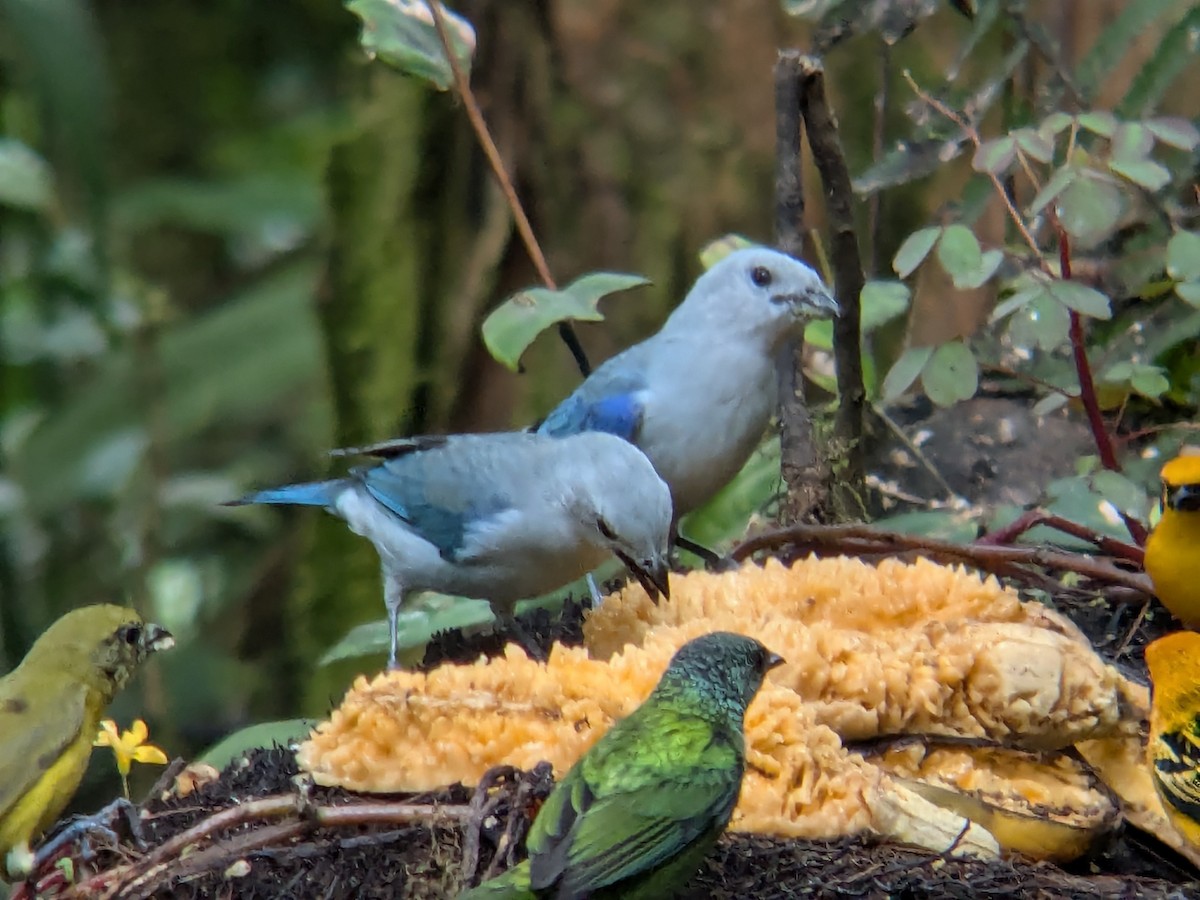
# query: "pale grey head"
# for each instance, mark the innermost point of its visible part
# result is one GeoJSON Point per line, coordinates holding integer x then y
{"type": "Point", "coordinates": [625, 506]}
{"type": "Point", "coordinates": [760, 290]}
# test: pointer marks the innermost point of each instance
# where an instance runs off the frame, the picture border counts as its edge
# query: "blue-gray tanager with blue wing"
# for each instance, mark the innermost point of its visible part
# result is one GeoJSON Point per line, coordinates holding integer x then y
{"type": "Point", "coordinates": [697, 396]}
{"type": "Point", "coordinates": [499, 517]}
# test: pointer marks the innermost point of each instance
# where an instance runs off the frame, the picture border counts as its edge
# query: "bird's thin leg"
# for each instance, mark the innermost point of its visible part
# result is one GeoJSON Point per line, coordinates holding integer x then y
{"type": "Point", "coordinates": [523, 637]}
{"type": "Point", "coordinates": [80, 828]}
{"type": "Point", "coordinates": [393, 597]}
{"type": "Point", "coordinates": [712, 559]}
{"type": "Point", "coordinates": [597, 599]}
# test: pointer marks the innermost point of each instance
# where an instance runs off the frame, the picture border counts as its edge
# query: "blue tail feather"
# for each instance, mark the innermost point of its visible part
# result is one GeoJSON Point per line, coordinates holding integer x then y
{"type": "Point", "coordinates": [312, 493]}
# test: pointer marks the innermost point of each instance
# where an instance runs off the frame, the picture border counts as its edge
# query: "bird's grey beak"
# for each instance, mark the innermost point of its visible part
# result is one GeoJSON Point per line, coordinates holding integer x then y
{"type": "Point", "coordinates": [816, 303]}
{"type": "Point", "coordinates": [156, 638]}
{"type": "Point", "coordinates": [773, 660]}
{"type": "Point", "coordinates": [1183, 498]}
{"type": "Point", "coordinates": [654, 579]}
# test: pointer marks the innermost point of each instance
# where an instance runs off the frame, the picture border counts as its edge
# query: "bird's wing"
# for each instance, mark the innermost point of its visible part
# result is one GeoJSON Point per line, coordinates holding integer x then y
{"type": "Point", "coordinates": [1176, 766]}
{"type": "Point", "coordinates": [611, 400]}
{"type": "Point", "coordinates": [620, 814]}
{"type": "Point", "coordinates": [37, 723]}
{"type": "Point", "coordinates": [392, 447]}
{"type": "Point", "coordinates": [442, 494]}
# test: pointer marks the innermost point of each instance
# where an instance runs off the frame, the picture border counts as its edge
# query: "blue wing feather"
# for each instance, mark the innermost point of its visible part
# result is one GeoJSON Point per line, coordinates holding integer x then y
{"type": "Point", "coordinates": [440, 501]}
{"type": "Point", "coordinates": [619, 414]}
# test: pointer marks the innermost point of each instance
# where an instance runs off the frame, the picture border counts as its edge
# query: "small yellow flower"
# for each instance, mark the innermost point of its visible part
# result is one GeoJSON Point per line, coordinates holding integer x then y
{"type": "Point", "coordinates": [129, 747]}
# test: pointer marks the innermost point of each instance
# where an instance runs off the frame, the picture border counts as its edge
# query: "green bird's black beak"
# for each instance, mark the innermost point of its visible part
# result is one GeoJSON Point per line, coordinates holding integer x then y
{"type": "Point", "coordinates": [1182, 497]}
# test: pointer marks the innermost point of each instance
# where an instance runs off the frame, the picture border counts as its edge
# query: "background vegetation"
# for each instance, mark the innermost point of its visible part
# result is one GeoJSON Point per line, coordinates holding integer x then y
{"type": "Point", "coordinates": [230, 241]}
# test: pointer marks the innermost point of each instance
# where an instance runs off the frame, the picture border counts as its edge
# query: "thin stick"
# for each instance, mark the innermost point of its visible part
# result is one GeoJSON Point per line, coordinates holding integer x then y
{"type": "Point", "coordinates": [821, 129]}
{"type": "Point", "coordinates": [475, 116]}
{"type": "Point", "coordinates": [864, 539]}
{"type": "Point", "coordinates": [1034, 517]}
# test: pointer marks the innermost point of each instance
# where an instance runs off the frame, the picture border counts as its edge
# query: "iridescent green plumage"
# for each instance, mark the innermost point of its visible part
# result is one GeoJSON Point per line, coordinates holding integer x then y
{"type": "Point", "coordinates": [637, 814]}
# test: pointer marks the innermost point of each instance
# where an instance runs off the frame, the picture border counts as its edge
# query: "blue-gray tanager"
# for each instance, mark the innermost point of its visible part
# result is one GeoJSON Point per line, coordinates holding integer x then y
{"type": "Point", "coordinates": [697, 396]}
{"type": "Point", "coordinates": [499, 517]}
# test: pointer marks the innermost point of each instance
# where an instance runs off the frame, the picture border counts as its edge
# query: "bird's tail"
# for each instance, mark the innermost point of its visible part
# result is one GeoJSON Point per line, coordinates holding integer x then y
{"type": "Point", "coordinates": [310, 493]}
{"type": "Point", "coordinates": [512, 885]}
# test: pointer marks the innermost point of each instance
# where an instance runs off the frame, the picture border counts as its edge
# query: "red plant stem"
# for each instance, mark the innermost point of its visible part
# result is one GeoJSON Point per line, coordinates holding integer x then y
{"type": "Point", "coordinates": [1031, 518]}
{"type": "Point", "coordinates": [1087, 387]}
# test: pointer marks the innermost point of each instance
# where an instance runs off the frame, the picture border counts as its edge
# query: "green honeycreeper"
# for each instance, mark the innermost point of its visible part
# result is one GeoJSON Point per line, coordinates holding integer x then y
{"type": "Point", "coordinates": [634, 818]}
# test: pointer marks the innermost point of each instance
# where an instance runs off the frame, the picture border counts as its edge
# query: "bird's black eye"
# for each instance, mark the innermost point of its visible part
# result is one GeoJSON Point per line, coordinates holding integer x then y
{"type": "Point", "coordinates": [131, 634]}
{"type": "Point", "coordinates": [760, 275]}
{"type": "Point", "coordinates": [606, 529]}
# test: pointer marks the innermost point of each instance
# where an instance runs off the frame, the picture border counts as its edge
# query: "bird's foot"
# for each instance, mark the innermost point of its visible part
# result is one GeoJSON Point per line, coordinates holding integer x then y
{"type": "Point", "coordinates": [82, 830]}
{"type": "Point", "coordinates": [713, 561]}
{"type": "Point", "coordinates": [525, 639]}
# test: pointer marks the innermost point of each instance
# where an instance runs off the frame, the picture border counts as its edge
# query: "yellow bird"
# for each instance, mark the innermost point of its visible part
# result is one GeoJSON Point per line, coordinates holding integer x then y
{"type": "Point", "coordinates": [1174, 748]}
{"type": "Point", "coordinates": [50, 709]}
{"type": "Point", "coordinates": [1174, 545]}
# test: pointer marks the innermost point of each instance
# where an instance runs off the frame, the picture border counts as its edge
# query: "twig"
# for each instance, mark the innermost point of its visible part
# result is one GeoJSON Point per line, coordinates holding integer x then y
{"type": "Point", "coordinates": [1031, 518]}
{"type": "Point", "coordinates": [999, 560]}
{"type": "Point", "coordinates": [972, 134]}
{"type": "Point", "coordinates": [126, 880]}
{"type": "Point", "coordinates": [803, 471]}
{"type": "Point", "coordinates": [484, 136]}
{"type": "Point", "coordinates": [916, 452]}
{"type": "Point", "coordinates": [821, 128]}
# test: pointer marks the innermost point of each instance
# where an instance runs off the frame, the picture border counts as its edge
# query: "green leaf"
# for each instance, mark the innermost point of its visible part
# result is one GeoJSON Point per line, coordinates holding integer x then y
{"type": "Point", "coordinates": [26, 181]}
{"type": "Point", "coordinates": [912, 160]}
{"type": "Point", "coordinates": [995, 156]}
{"type": "Point", "coordinates": [724, 517]}
{"type": "Point", "coordinates": [1123, 493]}
{"type": "Point", "coordinates": [959, 252]}
{"type": "Point", "coordinates": [513, 325]}
{"type": "Point", "coordinates": [1183, 256]}
{"type": "Point", "coordinates": [988, 264]}
{"type": "Point", "coordinates": [1034, 144]}
{"type": "Point", "coordinates": [904, 371]}
{"type": "Point", "coordinates": [1090, 208]}
{"type": "Point", "coordinates": [1015, 301]}
{"type": "Point", "coordinates": [1131, 142]}
{"type": "Point", "coordinates": [715, 251]}
{"type": "Point", "coordinates": [1081, 298]}
{"type": "Point", "coordinates": [1098, 122]}
{"type": "Point", "coordinates": [1042, 323]}
{"type": "Point", "coordinates": [402, 34]}
{"type": "Point", "coordinates": [433, 613]}
{"type": "Point", "coordinates": [951, 374]}
{"type": "Point", "coordinates": [1178, 133]}
{"type": "Point", "coordinates": [1146, 173]}
{"type": "Point", "coordinates": [1189, 292]}
{"type": "Point", "coordinates": [263, 734]}
{"type": "Point", "coordinates": [1055, 124]}
{"type": "Point", "coordinates": [1059, 182]}
{"type": "Point", "coordinates": [943, 524]}
{"type": "Point", "coordinates": [881, 302]}
{"type": "Point", "coordinates": [914, 250]}
{"type": "Point", "coordinates": [1150, 381]}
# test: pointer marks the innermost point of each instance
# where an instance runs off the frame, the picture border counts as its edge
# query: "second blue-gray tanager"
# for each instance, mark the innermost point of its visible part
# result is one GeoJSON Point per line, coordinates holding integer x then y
{"type": "Point", "coordinates": [499, 517]}
{"type": "Point", "coordinates": [697, 396]}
